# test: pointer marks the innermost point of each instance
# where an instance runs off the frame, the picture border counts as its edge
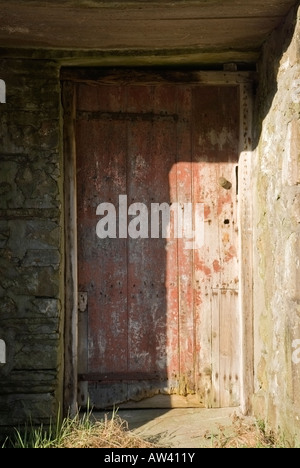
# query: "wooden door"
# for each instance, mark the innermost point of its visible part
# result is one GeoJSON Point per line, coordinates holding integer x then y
{"type": "Point", "coordinates": [158, 311]}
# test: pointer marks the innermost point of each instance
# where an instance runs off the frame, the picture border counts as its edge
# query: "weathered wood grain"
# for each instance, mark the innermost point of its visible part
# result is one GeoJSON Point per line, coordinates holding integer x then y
{"type": "Point", "coordinates": [213, 25]}
{"type": "Point", "coordinates": [71, 291]}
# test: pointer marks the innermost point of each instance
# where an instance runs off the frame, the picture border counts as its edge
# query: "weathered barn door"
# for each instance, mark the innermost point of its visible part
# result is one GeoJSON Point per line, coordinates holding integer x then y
{"type": "Point", "coordinates": [158, 308]}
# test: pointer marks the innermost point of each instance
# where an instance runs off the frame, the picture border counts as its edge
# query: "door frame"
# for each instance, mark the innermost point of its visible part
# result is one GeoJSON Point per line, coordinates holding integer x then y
{"type": "Point", "coordinates": [69, 78]}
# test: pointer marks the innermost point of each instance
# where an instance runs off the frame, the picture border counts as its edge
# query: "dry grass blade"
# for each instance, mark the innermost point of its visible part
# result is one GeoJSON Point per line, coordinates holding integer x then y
{"type": "Point", "coordinates": [248, 435]}
{"type": "Point", "coordinates": [109, 433]}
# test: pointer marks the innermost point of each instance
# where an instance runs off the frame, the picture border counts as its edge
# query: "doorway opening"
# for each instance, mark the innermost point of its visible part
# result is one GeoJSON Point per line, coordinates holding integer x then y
{"type": "Point", "coordinates": [156, 312]}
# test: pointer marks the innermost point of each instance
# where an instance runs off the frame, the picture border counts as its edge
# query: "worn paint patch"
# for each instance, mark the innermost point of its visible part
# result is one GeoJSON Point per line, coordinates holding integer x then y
{"type": "Point", "coordinates": [217, 267]}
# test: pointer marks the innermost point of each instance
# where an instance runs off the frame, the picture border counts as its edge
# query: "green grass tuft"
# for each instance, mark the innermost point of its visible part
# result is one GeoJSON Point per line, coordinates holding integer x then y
{"type": "Point", "coordinates": [82, 431]}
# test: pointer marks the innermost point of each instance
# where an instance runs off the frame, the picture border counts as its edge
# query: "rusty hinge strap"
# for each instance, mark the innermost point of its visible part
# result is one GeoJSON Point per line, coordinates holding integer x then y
{"type": "Point", "coordinates": [127, 116]}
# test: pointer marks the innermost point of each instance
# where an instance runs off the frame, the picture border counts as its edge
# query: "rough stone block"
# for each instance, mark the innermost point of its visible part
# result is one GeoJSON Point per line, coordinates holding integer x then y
{"type": "Point", "coordinates": [11, 194]}
{"type": "Point", "coordinates": [31, 281]}
{"type": "Point", "coordinates": [8, 308]}
{"type": "Point", "coordinates": [41, 257]}
{"type": "Point", "coordinates": [36, 353]}
{"type": "Point", "coordinates": [30, 381]}
{"type": "Point", "coordinates": [42, 233]}
{"type": "Point", "coordinates": [45, 308]}
{"type": "Point", "coordinates": [4, 234]}
{"type": "Point", "coordinates": [28, 308]}
{"type": "Point", "coordinates": [23, 408]}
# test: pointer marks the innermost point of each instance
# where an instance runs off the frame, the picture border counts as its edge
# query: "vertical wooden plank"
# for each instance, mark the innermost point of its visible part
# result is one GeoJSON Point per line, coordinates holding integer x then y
{"type": "Point", "coordinates": [172, 294]}
{"type": "Point", "coordinates": [151, 143]}
{"type": "Point", "coordinates": [71, 298]}
{"type": "Point", "coordinates": [144, 287]}
{"type": "Point", "coordinates": [185, 255]}
{"type": "Point", "coordinates": [215, 350]}
{"type": "Point", "coordinates": [164, 159]}
{"type": "Point", "coordinates": [206, 260]}
{"type": "Point", "coordinates": [227, 193]}
{"type": "Point", "coordinates": [229, 356]}
{"type": "Point", "coordinates": [229, 344]}
{"type": "Point", "coordinates": [229, 339]}
{"type": "Point", "coordinates": [102, 266]}
{"type": "Point", "coordinates": [246, 247]}
{"type": "Point", "coordinates": [215, 153]}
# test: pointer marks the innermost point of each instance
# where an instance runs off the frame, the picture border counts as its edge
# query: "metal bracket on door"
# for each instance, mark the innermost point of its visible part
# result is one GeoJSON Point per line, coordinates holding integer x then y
{"type": "Point", "coordinates": [82, 301]}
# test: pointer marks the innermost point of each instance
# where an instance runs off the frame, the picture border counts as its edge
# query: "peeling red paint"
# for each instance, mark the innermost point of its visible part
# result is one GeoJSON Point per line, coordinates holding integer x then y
{"type": "Point", "coordinates": [223, 200]}
{"type": "Point", "coordinates": [217, 266]}
{"type": "Point", "coordinates": [207, 211]}
{"type": "Point", "coordinates": [230, 254]}
{"type": "Point", "coordinates": [202, 267]}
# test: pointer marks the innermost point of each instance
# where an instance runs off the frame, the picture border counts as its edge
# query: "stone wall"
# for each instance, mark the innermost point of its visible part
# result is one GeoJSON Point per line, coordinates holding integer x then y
{"type": "Point", "coordinates": [276, 178]}
{"type": "Point", "coordinates": [30, 241]}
